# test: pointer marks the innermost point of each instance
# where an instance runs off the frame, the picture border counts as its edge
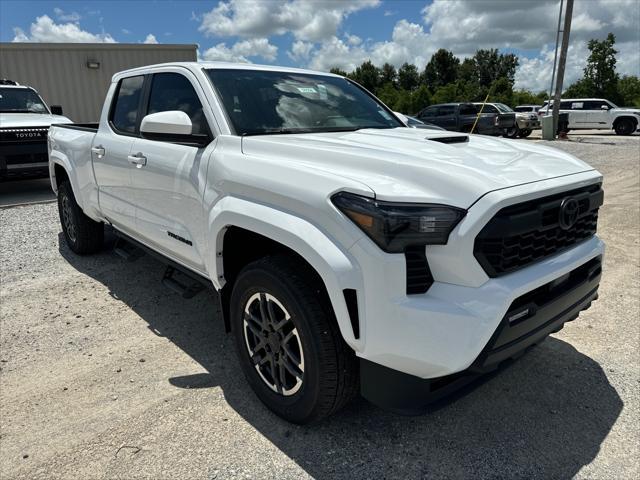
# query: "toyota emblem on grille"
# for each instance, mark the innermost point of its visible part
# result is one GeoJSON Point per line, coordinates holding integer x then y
{"type": "Point", "coordinates": [569, 210]}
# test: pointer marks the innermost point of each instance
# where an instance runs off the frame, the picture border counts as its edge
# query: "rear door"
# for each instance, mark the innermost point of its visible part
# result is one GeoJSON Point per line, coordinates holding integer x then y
{"type": "Point", "coordinates": [578, 114]}
{"type": "Point", "coordinates": [171, 183]}
{"type": "Point", "coordinates": [110, 151]}
{"type": "Point", "coordinates": [597, 113]}
{"type": "Point", "coordinates": [446, 117]}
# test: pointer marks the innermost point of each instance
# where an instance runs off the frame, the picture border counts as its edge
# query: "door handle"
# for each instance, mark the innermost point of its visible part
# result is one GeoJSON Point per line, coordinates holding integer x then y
{"type": "Point", "coordinates": [99, 151]}
{"type": "Point", "coordinates": [139, 160]}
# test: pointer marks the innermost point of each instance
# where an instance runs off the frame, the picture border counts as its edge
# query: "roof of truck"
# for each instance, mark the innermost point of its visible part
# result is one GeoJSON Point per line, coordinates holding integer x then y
{"type": "Point", "coordinates": [226, 66]}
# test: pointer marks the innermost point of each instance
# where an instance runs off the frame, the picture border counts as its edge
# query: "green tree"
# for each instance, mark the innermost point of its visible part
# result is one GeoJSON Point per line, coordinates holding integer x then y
{"type": "Point", "coordinates": [388, 74]}
{"type": "Point", "coordinates": [367, 75]}
{"type": "Point", "coordinates": [408, 76]}
{"type": "Point", "coordinates": [491, 65]}
{"type": "Point", "coordinates": [420, 98]}
{"type": "Point", "coordinates": [580, 89]}
{"type": "Point", "coordinates": [389, 95]}
{"type": "Point", "coordinates": [629, 91]}
{"type": "Point", "coordinates": [337, 71]}
{"type": "Point", "coordinates": [600, 72]}
{"type": "Point", "coordinates": [441, 70]}
{"type": "Point", "coordinates": [446, 94]}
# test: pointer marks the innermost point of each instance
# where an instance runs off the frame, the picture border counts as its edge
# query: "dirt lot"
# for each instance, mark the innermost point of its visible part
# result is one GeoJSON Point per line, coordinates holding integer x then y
{"type": "Point", "coordinates": [105, 374]}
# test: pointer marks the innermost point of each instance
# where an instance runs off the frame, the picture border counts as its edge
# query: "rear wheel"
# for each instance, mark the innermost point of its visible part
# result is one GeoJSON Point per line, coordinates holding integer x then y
{"type": "Point", "coordinates": [83, 235]}
{"type": "Point", "coordinates": [624, 126]}
{"type": "Point", "coordinates": [288, 341]}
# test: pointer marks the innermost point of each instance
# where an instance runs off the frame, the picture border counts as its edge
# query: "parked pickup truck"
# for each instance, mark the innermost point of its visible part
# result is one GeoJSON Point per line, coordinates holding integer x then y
{"type": "Point", "coordinates": [350, 253]}
{"type": "Point", "coordinates": [24, 122]}
{"type": "Point", "coordinates": [461, 117]}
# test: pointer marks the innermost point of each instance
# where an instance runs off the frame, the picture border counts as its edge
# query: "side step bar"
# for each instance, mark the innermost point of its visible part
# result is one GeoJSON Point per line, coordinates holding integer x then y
{"type": "Point", "coordinates": [192, 284]}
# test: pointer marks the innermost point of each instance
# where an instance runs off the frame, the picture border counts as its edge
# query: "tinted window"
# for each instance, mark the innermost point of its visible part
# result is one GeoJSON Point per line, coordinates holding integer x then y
{"type": "Point", "coordinates": [468, 110]}
{"type": "Point", "coordinates": [263, 102]}
{"type": "Point", "coordinates": [524, 109]}
{"type": "Point", "coordinates": [595, 105]}
{"type": "Point", "coordinates": [564, 105]}
{"type": "Point", "coordinates": [446, 110]}
{"type": "Point", "coordinates": [125, 111]}
{"type": "Point", "coordinates": [429, 112]}
{"type": "Point", "coordinates": [172, 91]}
{"type": "Point", "coordinates": [21, 100]}
{"type": "Point", "coordinates": [488, 109]}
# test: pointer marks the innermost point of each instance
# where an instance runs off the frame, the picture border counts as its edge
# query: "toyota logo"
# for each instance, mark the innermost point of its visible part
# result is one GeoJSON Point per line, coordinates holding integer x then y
{"type": "Point", "coordinates": [569, 209]}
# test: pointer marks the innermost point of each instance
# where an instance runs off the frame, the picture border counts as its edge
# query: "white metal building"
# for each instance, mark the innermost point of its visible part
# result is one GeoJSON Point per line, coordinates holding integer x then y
{"type": "Point", "coordinates": [76, 75]}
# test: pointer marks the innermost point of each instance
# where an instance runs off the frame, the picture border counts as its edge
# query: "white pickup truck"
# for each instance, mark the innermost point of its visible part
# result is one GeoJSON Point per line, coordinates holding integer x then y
{"type": "Point", "coordinates": [351, 254]}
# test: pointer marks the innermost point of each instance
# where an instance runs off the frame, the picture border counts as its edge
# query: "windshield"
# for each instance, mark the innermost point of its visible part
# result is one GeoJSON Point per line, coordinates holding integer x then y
{"type": "Point", "coordinates": [503, 108]}
{"type": "Point", "coordinates": [21, 100]}
{"type": "Point", "coordinates": [263, 102]}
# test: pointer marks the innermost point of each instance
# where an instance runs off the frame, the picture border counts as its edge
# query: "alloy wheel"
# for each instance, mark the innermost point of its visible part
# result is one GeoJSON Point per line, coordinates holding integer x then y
{"type": "Point", "coordinates": [67, 218]}
{"type": "Point", "coordinates": [273, 344]}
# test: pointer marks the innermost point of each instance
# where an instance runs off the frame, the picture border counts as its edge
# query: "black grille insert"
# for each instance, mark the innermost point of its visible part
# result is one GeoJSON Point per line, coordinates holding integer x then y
{"type": "Point", "coordinates": [419, 277]}
{"type": "Point", "coordinates": [522, 234]}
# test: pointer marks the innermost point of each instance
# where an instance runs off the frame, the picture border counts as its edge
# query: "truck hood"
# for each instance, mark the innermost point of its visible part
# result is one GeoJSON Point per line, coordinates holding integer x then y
{"type": "Point", "coordinates": [20, 120]}
{"type": "Point", "coordinates": [414, 165]}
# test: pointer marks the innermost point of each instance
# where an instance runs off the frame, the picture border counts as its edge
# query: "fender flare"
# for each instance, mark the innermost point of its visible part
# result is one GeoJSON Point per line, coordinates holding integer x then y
{"type": "Point", "coordinates": [335, 267]}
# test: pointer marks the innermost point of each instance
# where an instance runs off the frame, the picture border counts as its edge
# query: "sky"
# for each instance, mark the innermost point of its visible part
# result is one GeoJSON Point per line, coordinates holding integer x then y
{"type": "Point", "coordinates": [335, 33]}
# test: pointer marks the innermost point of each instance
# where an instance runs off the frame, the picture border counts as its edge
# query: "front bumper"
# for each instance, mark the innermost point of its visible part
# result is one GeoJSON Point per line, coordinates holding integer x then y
{"type": "Point", "coordinates": [23, 160]}
{"type": "Point", "coordinates": [529, 319]}
{"type": "Point", "coordinates": [528, 124]}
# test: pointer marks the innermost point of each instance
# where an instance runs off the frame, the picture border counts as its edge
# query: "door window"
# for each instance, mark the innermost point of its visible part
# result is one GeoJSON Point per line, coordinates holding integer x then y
{"type": "Point", "coordinates": [446, 110]}
{"type": "Point", "coordinates": [577, 106]}
{"type": "Point", "coordinates": [172, 91]}
{"type": "Point", "coordinates": [124, 113]}
{"type": "Point", "coordinates": [468, 110]}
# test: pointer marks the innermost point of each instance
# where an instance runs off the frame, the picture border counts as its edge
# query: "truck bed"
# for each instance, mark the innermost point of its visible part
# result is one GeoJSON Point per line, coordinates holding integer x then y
{"type": "Point", "coordinates": [87, 127]}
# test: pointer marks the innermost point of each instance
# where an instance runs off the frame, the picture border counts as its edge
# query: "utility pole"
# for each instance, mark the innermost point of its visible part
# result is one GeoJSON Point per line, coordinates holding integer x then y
{"type": "Point", "coordinates": [561, 64]}
{"type": "Point", "coordinates": [555, 55]}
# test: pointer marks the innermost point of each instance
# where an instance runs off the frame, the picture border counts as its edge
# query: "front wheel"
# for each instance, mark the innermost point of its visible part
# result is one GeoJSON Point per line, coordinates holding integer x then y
{"type": "Point", "coordinates": [524, 133]}
{"type": "Point", "coordinates": [288, 342]}
{"type": "Point", "coordinates": [624, 127]}
{"type": "Point", "coordinates": [512, 132]}
{"type": "Point", "coordinates": [83, 235]}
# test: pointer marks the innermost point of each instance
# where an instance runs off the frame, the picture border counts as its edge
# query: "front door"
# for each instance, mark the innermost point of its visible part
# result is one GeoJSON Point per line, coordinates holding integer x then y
{"type": "Point", "coordinates": [170, 178]}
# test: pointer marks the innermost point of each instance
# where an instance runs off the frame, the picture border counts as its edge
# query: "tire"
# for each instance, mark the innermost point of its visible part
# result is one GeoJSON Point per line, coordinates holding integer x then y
{"type": "Point", "coordinates": [512, 132]}
{"type": "Point", "coordinates": [326, 373]}
{"type": "Point", "coordinates": [83, 235]}
{"type": "Point", "coordinates": [524, 133]}
{"type": "Point", "coordinates": [624, 126]}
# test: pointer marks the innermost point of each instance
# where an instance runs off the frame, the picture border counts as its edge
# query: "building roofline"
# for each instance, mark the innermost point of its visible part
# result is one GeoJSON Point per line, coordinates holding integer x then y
{"type": "Point", "coordinates": [96, 46]}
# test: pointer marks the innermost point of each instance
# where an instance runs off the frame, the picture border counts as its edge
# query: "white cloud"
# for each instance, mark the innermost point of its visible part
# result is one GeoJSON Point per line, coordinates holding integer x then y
{"type": "Point", "coordinates": [44, 29]}
{"type": "Point", "coordinates": [310, 21]}
{"type": "Point", "coordinates": [409, 43]}
{"type": "Point", "coordinates": [151, 39]}
{"type": "Point", "coordinates": [300, 50]}
{"type": "Point", "coordinates": [463, 26]}
{"type": "Point", "coordinates": [241, 51]}
{"type": "Point", "coordinates": [66, 17]}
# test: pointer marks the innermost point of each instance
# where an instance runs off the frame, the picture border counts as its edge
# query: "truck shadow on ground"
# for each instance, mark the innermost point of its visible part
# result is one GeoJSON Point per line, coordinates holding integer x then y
{"type": "Point", "coordinates": [544, 416]}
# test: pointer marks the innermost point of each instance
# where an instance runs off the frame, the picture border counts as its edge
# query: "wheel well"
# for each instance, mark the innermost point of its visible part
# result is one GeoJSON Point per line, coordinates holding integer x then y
{"type": "Point", "coordinates": [619, 119]}
{"type": "Point", "coordinates": [241, 247]}
{"type": "Point", "coordinates": [60, 173]}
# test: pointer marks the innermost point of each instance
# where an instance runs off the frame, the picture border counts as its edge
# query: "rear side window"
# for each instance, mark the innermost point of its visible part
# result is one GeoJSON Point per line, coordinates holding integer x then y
{"type": "Point", "coordinates": [446, 110]}
{"type": "Point", "coordinates": [468, 110]}
{"type": "Point", "coordinates": [429, 112]}
{"type": "Point", "coordinates": [564, 105]}
{"type": "Point", "coordinates": [124, 116]}
{"type": "Point", "coordinates": [172, 91]}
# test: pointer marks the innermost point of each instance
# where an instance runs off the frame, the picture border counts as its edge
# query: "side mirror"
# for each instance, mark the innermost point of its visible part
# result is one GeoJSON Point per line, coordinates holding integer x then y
{"type": "Point", "coordinates": [56, 109]}
{"type": "Point", "coordinates": [604, 107]}
{"type": "Point", "coordinates": [173, 122]}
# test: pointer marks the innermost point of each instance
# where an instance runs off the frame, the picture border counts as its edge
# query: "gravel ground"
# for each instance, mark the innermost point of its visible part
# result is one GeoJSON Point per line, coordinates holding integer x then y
{"type": "Point", "coordinates": [105, 374]}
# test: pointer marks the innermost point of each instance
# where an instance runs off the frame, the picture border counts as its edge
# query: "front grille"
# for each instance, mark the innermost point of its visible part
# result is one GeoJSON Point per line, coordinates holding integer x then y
{"type": "Point", "coordinates": [23, 134]}
{"type": "Point", "coordinates": [522, 234]}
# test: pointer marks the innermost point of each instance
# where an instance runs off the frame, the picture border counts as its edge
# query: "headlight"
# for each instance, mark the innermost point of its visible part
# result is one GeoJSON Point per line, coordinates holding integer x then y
{"type": "Point", "coordinates": [396, 226]}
